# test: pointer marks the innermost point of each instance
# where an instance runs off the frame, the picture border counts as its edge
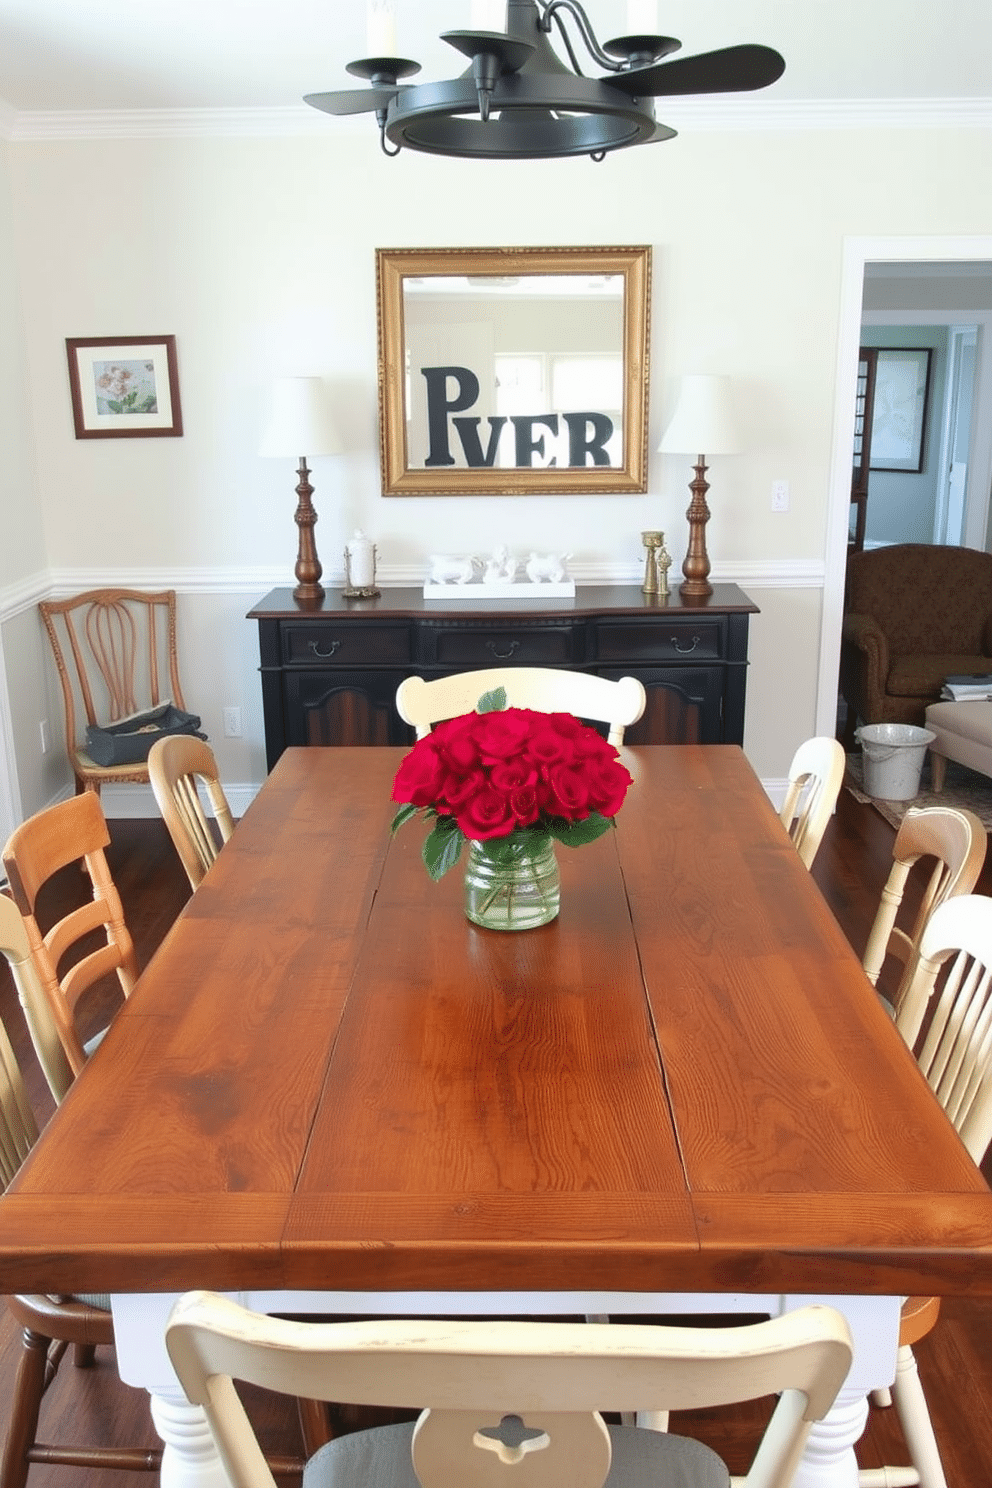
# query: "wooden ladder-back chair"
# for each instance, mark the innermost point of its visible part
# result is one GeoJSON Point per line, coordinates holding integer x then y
{"type": "Point", "coordinates": [16, 949]}
{"type": "Point", "coordinates": [815, 777]}
{"type": "Point", "coordinates": [544, 689]}
{"type": "Point", "coordinates": [509, 1403]}
{"type": "Point", "coordinates": [956, 839]}
{"type": "Point", "coordinates": [51, 1323]}
{"type": "Point", "coordinates": [955, 1055]}
{"type": "Point", "coordinates": [176, 766]}
{"type": "Point", "coordinates": [115, 650]}
{"type": "Point", "coordinates": [38, 848]}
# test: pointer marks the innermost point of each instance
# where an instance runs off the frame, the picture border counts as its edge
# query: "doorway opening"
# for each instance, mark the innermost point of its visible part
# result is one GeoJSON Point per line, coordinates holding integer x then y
{"type": "Point", "coordinates": [875, 270]}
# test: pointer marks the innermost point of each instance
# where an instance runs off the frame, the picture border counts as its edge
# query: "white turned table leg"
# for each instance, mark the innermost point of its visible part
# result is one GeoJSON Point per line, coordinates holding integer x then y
{"type": "Point", "coordinates": [189, 1459]}
{"type": "Point", "coordinates": [829, 1460]}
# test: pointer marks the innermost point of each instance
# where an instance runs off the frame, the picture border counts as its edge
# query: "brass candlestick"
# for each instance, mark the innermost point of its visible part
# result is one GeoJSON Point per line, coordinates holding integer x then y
{"type": "Point", "coordinates": [657, 563]}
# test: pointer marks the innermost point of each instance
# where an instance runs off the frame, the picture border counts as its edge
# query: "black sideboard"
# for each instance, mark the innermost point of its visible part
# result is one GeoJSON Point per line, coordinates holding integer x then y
{"type": "Point", "coordinates": [330, 671]}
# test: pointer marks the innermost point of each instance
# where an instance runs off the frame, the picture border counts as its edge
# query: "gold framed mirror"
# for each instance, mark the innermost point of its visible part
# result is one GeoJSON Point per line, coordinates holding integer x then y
{"type": "Point", "coordinates": [513, 371]}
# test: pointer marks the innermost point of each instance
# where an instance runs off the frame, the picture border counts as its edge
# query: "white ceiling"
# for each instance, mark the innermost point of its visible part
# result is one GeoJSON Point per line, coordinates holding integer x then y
{"type": "Point", "coordinates": [70, 55]}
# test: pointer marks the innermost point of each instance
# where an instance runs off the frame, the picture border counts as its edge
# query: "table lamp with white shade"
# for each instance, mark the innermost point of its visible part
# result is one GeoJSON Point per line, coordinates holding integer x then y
{"type": "Point", "coordinates": [300, 419]}
{"type": "Point", "coordinates": [703, 421]}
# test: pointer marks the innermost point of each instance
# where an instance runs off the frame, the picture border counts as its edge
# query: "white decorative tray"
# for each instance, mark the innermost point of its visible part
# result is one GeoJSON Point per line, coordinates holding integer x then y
{"type": "Point", "coordinates": [501, 590]}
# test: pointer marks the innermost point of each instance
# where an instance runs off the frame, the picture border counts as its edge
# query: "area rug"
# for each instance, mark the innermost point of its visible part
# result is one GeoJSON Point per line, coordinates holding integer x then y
{"type": "Point", "coordinates": [962, 787]}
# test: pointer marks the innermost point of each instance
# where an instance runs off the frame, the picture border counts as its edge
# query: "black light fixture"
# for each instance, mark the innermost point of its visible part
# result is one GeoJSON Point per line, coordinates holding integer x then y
{"type": "Point", "coordinates": [519, 101]}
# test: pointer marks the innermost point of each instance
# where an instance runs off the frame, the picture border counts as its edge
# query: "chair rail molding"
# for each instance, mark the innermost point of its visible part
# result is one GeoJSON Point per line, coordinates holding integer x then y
{"type": "Point", "coordinates": [773, 573]}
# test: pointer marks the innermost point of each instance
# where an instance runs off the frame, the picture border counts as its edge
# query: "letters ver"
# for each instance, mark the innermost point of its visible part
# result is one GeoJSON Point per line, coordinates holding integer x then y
{"type": "Point", "coordinates": [588, 433]}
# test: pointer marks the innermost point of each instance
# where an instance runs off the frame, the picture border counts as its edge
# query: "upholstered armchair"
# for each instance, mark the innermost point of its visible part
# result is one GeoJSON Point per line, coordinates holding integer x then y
{"type": "Point", "coordinates": [913, 615]}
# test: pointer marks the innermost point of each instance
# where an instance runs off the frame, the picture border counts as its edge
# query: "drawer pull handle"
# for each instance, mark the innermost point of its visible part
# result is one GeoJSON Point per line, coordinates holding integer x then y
{"type": "Point", "coordinates": [315, 648]}
{"type": "Point", "coordinates": [502, 655]}
{"type": "Point", "coordinates": [684, 650]}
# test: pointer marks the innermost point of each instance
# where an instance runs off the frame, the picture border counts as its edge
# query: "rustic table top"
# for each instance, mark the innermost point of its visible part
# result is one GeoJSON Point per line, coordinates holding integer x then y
{"type": "Point", "coordinates": [328, 1078]}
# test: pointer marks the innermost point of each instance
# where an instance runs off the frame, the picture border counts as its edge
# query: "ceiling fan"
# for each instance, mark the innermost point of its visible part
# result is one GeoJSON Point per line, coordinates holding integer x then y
{"type": "Point", "coordinates": [518, 100]}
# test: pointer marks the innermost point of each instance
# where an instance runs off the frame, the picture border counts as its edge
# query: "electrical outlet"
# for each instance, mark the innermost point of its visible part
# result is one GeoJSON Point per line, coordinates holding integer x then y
{"type": "Point", "coordinates": [232, 723]}
{"type": "Point", "coordinates": [44, 736]}
{"type": "Point", "coordinates": [780, 496]}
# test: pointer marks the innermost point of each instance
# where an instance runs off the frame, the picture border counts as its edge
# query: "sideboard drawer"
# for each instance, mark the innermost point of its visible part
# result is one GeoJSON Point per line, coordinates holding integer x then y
{"type": "Point", "coordinates": [345, 645]}
{"type": "Point", "coordinates": [660, 642]}
{"type": "Point", "coordinates": [517, 645]}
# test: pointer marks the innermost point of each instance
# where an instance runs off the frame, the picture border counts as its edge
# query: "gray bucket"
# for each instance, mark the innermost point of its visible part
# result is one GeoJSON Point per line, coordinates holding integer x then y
{"type": "Point", "coordinates": [892, 757]}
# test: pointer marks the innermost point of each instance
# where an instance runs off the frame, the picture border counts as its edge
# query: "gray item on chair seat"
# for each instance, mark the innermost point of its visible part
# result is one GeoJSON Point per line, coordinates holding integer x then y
{"type": "Point", "coordinates": [128, 741]}
{"type": "Point", "coordinates": [380, 1458]}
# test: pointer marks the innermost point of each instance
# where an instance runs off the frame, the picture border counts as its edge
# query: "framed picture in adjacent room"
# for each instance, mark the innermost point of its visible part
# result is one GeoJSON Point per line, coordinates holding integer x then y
{"type": "Point", "coordinates": [124, 387]}
{"type": "Point", "coordinates": [899, 413]}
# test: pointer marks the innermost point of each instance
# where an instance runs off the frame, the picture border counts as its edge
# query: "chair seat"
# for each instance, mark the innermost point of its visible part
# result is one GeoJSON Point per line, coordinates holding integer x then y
{"type": "Point", "coordinates": [380, 1458]}
{"type": "Point", "coordinates": [127, 774]}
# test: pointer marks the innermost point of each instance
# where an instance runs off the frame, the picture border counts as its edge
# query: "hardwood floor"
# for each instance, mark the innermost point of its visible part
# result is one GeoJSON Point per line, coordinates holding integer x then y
{"type": "Point", "coordinates": [92, 1405]}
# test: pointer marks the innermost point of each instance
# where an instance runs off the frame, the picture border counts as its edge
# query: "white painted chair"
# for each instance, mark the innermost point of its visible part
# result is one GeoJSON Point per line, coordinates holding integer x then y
{"type": "Point", "coordinates": [177, 765]}
{"type": "Point", "coordinates": [545, 689]}
{"type": "Point", "coordinates": [507, 1403]}
{"type": "Point", "coordinates": [957, 841]}
{"type": "Point", "coordinates": [955, 1055]}
{"type": "Point", "coordinates": [815, 777]}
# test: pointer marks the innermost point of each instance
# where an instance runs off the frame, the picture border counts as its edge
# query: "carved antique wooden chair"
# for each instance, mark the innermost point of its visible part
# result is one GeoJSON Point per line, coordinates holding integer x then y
{"type": "Point", "coordinates": [545, 689]}
{"type": "Point", "coordinates": [48, 841]}
{"type": "Point", "coordinates": [509, 1402]}
{"type": "Point", "coordinates": [956, 840]}
{"type": "Point", "coordinates": [955, 1055]}
{"type": "Point", "coordinates": [176, 766]}
{"type": "Point", "coordinates": [115, 650]}
{"type": "Point", "coordinates": [815, 777]}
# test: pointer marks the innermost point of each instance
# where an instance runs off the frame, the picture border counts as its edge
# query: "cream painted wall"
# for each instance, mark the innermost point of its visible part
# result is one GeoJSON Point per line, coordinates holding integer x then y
{"type": "Point", "coordinates": [22, 547]}
{"type": "Point", "coordinates": [22, 550]}
{"type": "Point", "coordinates": [259, 255]}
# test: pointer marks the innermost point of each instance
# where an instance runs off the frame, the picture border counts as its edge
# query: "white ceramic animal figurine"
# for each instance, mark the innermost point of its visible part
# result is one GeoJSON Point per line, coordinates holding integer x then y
{"type": "Point", "coordinates": [448, 568]}
{"type": "Point", "coordinates": [547, 567]}
{"type": "Point", "coordinates": [500, 568]}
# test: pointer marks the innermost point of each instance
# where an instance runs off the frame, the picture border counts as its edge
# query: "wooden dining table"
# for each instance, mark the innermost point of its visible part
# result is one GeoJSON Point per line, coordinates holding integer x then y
{"type": "Point", "coordinates": [330, 1092]}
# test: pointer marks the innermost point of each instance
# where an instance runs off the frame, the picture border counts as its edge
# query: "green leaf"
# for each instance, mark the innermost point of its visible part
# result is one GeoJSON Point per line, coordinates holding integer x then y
{"type": "Point", "coordinates": [492, 702]}
{"type": "Point", "coordinates": [577, 834]}
{"type": "Point", "coordinates": [406, 813]}
{"type": "Point", "coordinates": [442, 847]}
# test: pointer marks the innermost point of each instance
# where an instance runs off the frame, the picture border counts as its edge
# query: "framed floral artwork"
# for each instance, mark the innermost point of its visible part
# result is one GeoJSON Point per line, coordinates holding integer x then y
{"type": "Point", "coordinates": [124, 387]}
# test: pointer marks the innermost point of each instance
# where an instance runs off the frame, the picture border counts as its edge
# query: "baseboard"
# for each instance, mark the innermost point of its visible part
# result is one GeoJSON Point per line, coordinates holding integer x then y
{"type": "Point", "coordinates": [138, 801]}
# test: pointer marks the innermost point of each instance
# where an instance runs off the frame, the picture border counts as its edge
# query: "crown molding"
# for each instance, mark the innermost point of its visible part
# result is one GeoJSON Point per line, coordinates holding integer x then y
{"type": "Point", "coordinates": [688, 115]}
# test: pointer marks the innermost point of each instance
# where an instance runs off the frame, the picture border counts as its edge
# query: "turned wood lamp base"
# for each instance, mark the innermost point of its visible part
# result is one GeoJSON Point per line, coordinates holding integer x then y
{"type": "Point", "coordinates": [696, 564]}
{"type": "Point", "coordinates": [309, 589]}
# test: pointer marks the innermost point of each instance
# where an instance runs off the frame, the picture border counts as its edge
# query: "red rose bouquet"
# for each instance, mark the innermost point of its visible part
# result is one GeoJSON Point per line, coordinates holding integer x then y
{"type": "Point", "coordinates": [491, 775]}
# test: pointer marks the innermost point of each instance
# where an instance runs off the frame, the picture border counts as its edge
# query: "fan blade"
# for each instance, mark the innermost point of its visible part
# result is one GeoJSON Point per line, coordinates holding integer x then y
{"type": "Point", "coordinates": [736, 69]}
{"type": "Point", "coordinates": [352, 100]}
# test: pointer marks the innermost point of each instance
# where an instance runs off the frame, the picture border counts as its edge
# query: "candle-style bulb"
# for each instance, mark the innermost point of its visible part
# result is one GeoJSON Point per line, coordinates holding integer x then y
{"type": "Point", "coordinates": [381, 28]}
{"type": "Point", "coordinates": [642, 17]}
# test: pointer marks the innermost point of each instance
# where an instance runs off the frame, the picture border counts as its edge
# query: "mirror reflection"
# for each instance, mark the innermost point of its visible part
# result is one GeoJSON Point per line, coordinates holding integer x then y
{"type": "Point", "coordinates": [514, 371]}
